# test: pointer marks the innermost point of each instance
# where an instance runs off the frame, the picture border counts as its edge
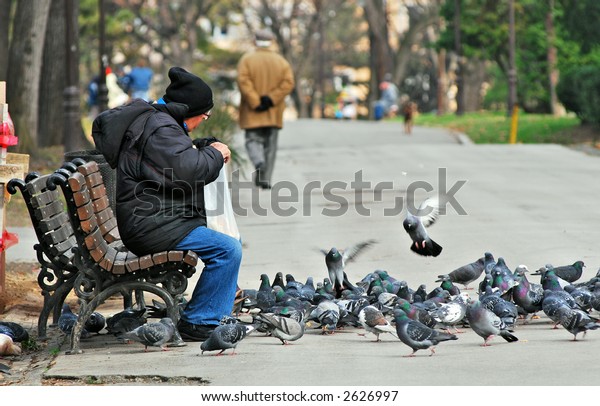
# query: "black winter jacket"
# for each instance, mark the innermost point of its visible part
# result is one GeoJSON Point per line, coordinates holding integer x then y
{"type": "Point", "coordinates": [160, 175]}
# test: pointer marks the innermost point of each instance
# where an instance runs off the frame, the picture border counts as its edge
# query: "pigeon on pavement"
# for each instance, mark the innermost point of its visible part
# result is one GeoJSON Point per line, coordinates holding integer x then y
{"type": "Point", "coordinates": [468, 273]}
{"type": "Point", "coordinates": [67, 321]}
{"type": "Point", "coordinates": [486, 324]}
{"type": "Point", "coordinates": [152, 334]}
{"type": "Point", "coordinates": [286, 329]}
{"type": "Point", "coordinates": [528, 296]}
{"type": "Point", "coordinates": [416, 224]}
{"type": "Point", "coordinates": [373, 321]}
{"type": "Point", "coordinates": [126, 320]}
{"type": "Point", "coordinates": [95, 323]}
{"type": "Point", "coordinates": [226, 336]}
{"type": "Point", "coordinates": [327, 314]}
{"type": "Point", "coordinates": [450, 314]}
{"type": "Point", "coordinates": [265, 298]}
{"type": "Point", "coordinates": [570, 273]}
{"type": "Point", "coordinates": [336, 262]}
{"type": "Point", "coordinates": [417, 335]}
{"type": "Point", "coordinates": [576, 321]}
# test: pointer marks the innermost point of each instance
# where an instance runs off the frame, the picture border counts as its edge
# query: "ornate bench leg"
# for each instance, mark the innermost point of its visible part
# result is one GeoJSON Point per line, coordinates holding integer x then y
{"type": "Point", "coordinates": [52, 303]}
{"type": "Point", "coordinates": [88, 308]}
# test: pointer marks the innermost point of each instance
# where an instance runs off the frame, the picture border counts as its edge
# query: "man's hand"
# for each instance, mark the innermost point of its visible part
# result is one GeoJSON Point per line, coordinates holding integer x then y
{"type": "Point", "coordinates": [265, 103]}
{"type": "Point", "coordinates": [223, 149]}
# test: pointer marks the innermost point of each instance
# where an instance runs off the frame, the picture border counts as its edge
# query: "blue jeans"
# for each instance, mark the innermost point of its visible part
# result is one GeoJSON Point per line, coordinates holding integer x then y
{"type": "Point", "coordinates": [214, 293]}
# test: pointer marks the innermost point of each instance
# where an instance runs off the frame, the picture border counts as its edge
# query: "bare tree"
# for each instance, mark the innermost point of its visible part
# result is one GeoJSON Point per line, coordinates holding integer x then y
{"type": "Point", "coordinates": [29, 29]}
{"type": "Point", "coordinates": [5, 9]}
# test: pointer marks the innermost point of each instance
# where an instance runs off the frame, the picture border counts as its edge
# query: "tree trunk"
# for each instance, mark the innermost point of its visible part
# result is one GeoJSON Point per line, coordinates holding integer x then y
{"type": "Point", "coordinates": [4, 44]}
{"type": "Point", "coordinates": [53, 82]}
{"type": "Point", "coordinates": [25, 67]}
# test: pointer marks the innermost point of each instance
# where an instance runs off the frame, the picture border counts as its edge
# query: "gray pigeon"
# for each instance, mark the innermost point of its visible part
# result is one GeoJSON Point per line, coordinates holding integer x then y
{"type": "Point", "coordinates": [417, 335]}
{"type": "Point", "coordinates": [95, 323]}
{"type": "Point", "coordinates": [373, 321]}
{"type": "Point", "coordinates": [486, 324]}
{"type": "Point", "coordinates": [285, 328]}
{"type": "Point", "coordinates": [327, 313]}
{"type": "Point", "coordinates": [226, 336]}
{"type": "Point", "coordinates": [336, 261]}
{"type": "Point", "coordinates": [528, 296]}
{"type": "Point", "coordinates": [570, 273]}
{"type": "Point", "coordinates": [126, 320]}
{"type": "Point", "coordinates": [576, 321]}
{"type": "Point", "coordinates": [416, 224]}
{"type": "Point", "coordinates": [152, 334]}
{"type": "Point", "coordinates": [67, 321]}
{"type": "Point", "coordinates": [468, 273]}
{"type": "Point", "coordinates": [450, 314]}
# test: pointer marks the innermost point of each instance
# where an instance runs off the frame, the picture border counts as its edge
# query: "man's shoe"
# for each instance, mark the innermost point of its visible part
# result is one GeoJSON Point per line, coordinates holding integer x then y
{"type": "Point", "coordinates": [258, 179]}
{"type": "Point", "coordinates": [194, 332]}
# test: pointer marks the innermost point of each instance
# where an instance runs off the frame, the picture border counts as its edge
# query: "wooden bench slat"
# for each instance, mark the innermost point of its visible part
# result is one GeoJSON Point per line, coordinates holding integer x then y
{"type": "Point", "coordinates": [146, 261]}
{"type": "Point", "coordinates": [60, 249]}
{"type": "Point", "coordinates": [101, 203]}
{"type": "Point", "coordinates": [175, 256]}
{"type": "Point", "coordinates": [44, 198]}
{"type": "Point", "coordinates": [160, 257]}
{"type": "Point", "coordinates": [86, 211]}
{"type": "Point", "coordinates": [59, 235]}
{"type": "Point", "coordinates": [53, 223]}
{"type": "Point", "coordinates": [49, 210]}
{"type": "Point", "coordinates": [37, 185]}
{"type": "Point", "coordinates": [104, 216]}
{"type": "Point", "coordinates": [93, 179]}
{"type": "Point", "coordinates": [191, 258]}
{"type": "Point", "coordinates": [81, 198]}
{"type": "Point", "coordinates": [76, 182]}
{"type": "Point", "coordinates": [109, 259]}
{"type": "Point", "coordinates": [88, 168]}
{"type": "Point", "coordinates": [98, 191]}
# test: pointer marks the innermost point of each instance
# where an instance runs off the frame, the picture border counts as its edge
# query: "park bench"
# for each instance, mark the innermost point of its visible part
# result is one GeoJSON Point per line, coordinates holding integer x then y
{"type": "Point", "coordinates": [55, 240]}
{"type": "Point", "coordinates": [80, 249]}
{"type": "Point", "coordinates": [105, 266]}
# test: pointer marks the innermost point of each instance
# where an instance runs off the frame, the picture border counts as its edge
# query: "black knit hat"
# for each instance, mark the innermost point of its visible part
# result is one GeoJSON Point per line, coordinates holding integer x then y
{"type": "Point", "coordinates": [189, 89]}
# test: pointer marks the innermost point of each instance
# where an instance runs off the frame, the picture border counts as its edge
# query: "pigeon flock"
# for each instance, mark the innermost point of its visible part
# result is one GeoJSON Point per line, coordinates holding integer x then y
{"type": "Point", "coordinates": [502, 302]}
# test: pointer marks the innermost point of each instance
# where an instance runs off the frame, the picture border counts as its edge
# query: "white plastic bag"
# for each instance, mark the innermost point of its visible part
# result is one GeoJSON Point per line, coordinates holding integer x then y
{"type": "Point", "coordinates": [219, 211]}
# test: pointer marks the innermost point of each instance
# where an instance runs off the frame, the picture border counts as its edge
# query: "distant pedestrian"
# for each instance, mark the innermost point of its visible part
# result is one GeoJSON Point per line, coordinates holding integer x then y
{"type": "Point", "coordinates": [265, 78]}
{"type": "Point", "coordinates": [408, 111]}
{"type": "Point", "coordinates": [139, 81]}
{"type": "Point", "coordinates": [387, 105]}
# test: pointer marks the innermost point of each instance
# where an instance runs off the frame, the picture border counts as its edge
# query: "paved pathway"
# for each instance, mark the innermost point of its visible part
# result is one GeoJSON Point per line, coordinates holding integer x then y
{"type": "Point", "coordinates": [530, 204]}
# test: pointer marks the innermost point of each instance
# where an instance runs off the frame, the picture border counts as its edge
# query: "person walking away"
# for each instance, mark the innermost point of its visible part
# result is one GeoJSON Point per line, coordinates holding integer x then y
{"type": "Point", "coordinates": [265, 78]}
{"type": "Point", "coordinates": [161, 175]}
{"type": "Point", "coordinates": [139, 81]}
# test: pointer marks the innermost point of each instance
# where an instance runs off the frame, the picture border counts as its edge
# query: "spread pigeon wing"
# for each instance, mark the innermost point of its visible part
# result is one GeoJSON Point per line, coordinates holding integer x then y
{"type": "Point", "coordinates": [429, 211]}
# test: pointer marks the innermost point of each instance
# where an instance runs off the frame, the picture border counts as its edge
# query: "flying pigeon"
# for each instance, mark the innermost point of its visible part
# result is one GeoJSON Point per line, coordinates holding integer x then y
{"type": "Point", "coordinates": [226, 336]}
{"type": "Point", "coordinates": [416, 224]}
{"type": "Point", "coordinates": [284, 328]}
{"type": "Point", "coordinates": [373, 321]}
{"type": "Point", "coordinates": [486, 324]}
{"type": "Point", "coordinates": [152, 334]}
{"type": "Point", "coordinates": [417, 335]}
{"type": "Point", "coordinates": [336, 261]}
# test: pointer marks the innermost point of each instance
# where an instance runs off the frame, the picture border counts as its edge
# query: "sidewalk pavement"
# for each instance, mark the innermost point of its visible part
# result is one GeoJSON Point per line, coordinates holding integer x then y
{"type": "Point", "coordinates": [530, 204]}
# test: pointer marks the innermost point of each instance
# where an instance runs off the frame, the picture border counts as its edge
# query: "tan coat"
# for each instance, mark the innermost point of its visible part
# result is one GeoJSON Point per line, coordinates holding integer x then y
{"type": "Point", "coordinates": [263, 72]}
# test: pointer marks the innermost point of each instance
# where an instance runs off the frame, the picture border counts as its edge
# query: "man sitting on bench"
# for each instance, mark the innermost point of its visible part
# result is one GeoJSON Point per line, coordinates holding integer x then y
{"type": "Point", "coordinates": [161, 175]}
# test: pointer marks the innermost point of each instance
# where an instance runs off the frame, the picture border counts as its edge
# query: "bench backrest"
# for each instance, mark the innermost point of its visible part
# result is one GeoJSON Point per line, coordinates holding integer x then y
{"type": "Point", "coordinates": [48, 217]}
{"type": "Point", "coordinates": [99, 232]}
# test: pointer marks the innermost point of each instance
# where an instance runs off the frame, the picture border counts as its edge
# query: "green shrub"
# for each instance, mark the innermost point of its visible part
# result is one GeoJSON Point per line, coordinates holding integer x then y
{"type": "Point", "coordinates": [579, 91]}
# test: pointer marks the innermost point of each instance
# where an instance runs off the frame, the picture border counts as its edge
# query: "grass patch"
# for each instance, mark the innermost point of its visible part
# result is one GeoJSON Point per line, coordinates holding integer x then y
{"type": "Point", "coordinates": [494, 127]}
